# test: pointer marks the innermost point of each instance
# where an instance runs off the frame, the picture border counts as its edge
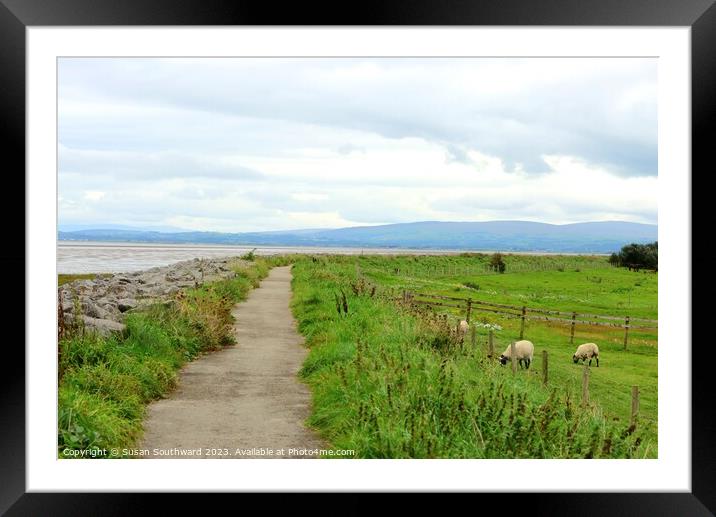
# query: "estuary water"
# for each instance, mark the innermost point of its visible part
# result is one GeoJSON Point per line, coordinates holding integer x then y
{"type": "Point", "coordinates": [123, 257]}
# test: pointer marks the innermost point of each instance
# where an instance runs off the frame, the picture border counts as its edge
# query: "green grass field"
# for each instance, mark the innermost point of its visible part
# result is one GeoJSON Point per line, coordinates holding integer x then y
{"type": "Point", "coordinates": [389, 383]}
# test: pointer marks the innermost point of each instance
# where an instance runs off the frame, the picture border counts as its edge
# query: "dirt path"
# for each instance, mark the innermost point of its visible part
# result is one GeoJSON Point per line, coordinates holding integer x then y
{"type": "Point", "coordinates": [245, 397]}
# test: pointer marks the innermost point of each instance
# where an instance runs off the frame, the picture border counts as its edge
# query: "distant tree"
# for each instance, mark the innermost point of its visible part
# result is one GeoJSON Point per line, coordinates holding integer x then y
{"type": "Point", "coordinates": [497, 263]}
{"type": "Point", "coordinates": [637, 256]}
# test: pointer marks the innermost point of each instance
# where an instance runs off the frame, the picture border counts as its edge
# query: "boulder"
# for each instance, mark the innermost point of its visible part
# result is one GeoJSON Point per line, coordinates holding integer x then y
{"type": "Point", "coordinates": [126, 304]}
{"type": "Point", "coordinates": [91, 309]}
{"type": "Point", "coordinates": [103, 326]}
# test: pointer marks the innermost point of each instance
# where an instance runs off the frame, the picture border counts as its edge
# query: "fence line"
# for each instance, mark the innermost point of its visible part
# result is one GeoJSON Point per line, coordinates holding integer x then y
{"type": "Point", "coordinates": [511, 311]}
{"type": "Point", "coordinates": [474, 305]}
{"type": "Point", "coordinates": [531, 309]}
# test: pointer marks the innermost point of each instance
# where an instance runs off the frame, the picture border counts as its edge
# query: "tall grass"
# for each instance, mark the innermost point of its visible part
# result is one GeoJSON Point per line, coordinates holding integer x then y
{"type": "Point", "coordinates": [105, 383]}
{"type": "Point", "coordinates": [389, 384]}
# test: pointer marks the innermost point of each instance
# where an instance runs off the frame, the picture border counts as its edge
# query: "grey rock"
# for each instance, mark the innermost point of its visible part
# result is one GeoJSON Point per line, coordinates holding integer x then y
{"type": "Point", "coordinates": [105, 300]}
{"type": "Point", "coordinates": [91, 309]}
{"type": "Point", "coordinates": [103, 326]}
{"type": "Point", "coordinates": [126, 304]}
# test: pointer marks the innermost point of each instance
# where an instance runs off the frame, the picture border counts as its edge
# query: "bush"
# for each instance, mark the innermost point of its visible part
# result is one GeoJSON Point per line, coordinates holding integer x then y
{"type": "Point", "coordinates": [497, 263]}
{"type": "Point", "coordinates": [637, 256]}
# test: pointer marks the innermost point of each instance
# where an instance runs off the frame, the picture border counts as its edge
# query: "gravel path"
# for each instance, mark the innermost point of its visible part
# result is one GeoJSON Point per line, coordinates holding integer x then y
{"type": "Point", "coordinates": [245, 400]}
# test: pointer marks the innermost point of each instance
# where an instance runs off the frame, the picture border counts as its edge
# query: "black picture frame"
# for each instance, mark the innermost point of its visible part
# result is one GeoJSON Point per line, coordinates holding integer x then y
{"type": "Point", "coordinates": [17, 15]}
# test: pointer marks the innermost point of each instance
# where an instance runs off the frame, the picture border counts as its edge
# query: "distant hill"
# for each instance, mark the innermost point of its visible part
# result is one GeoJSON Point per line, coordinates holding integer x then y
{"type": "Point", "coordinates": [590, 237]}
{"type": "Point", "coordinates": [80, 227]}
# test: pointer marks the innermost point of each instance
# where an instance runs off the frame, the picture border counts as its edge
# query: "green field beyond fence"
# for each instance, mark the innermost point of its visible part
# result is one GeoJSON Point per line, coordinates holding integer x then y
{"type": "Point", "coordinates": [524, 313]}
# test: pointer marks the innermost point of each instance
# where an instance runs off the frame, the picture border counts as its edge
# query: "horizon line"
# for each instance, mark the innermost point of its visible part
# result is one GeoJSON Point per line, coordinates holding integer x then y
{"type": "Point", "coordinates": [183, 230]}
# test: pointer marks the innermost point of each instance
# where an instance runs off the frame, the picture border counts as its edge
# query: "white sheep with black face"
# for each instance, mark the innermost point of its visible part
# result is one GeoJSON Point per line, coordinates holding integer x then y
{"type": "Point", "coordinates": [462, 329]}
{"type": "Point", "coordinates": [586, 351]}
{"type": "Point", "coordinates": [524, 352]}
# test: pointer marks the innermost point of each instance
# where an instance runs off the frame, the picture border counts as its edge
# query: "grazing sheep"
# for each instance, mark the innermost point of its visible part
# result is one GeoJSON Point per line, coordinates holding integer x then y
{"type": "Point", "coordinates": [586, 351]}
{"type": "Point", "coordinates": [525, 351]}
{"type": "Point", "coordinates": [462, 329]}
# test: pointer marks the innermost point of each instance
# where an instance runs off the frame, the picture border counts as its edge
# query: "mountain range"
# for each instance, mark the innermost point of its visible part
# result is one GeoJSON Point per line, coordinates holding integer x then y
{"type": "Point", "coordinates": [523, 236]}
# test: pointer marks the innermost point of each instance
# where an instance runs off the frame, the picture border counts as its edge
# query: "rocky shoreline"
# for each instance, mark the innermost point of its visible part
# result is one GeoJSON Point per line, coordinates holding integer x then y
{"type": "Point", "coordinates": [104, 301]}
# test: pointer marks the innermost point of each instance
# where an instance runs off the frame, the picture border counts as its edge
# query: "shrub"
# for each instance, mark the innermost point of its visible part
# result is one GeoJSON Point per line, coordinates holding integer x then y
{"type": "Point", "coordinates": [497, 263]}
{"type": "Point", "coordinates": [637, 256]}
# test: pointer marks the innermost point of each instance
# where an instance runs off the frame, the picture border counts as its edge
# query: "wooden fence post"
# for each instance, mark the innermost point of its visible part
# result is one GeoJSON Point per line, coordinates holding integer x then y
{"type": "Point", "coordinates": [544, 367]}
{"type": "Point", "coordinates": [634, 406]}
{"type": "Point", "coordinates": [626, 332]}
{"type": "Point", "coordinates": [522, 324]}
{"type": "Point", "coordinates": [513, 354]}
{"type": "Point", "coordinates": [571, 334]}
{"type": "Point", "coordinates": [585, 386]}
{"type": "Point", "coordinates": [490, 344]}
{"type": "Point", "coordinates": [469, 309]}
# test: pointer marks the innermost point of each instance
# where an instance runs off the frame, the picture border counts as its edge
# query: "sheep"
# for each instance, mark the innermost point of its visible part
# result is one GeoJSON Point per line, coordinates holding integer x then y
{"type": "Point", "coordinates": [586, 351]}
{"type": "Point", "coordinates": [462, 328]}
{"type": "Point", "coordinates": [525, 351]}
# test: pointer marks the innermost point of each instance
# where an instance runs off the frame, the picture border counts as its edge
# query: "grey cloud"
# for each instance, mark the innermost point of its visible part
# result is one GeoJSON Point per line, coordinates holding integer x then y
{"type": "Point", "coordinates": [411, 98]}
{"type": "Point", "coordinates": [151, 166]}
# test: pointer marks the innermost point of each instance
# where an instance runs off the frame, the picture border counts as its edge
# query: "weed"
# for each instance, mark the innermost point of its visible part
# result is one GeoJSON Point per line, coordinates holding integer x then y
{"type": "Point", "coordinates": [250, 256]}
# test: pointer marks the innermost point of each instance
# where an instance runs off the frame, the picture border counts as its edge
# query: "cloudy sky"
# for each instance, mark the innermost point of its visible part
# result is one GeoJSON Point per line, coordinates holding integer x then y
{"type": "Point", "coordinates": [264, 144]}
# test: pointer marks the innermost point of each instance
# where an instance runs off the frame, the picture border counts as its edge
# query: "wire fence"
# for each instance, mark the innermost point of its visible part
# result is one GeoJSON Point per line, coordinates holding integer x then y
{"type": "Point", "coordinates": [524, 313]}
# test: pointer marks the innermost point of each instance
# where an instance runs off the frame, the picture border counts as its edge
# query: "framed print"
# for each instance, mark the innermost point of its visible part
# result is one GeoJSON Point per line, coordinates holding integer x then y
{"type": "Point", "coordinates": [442, 203]}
